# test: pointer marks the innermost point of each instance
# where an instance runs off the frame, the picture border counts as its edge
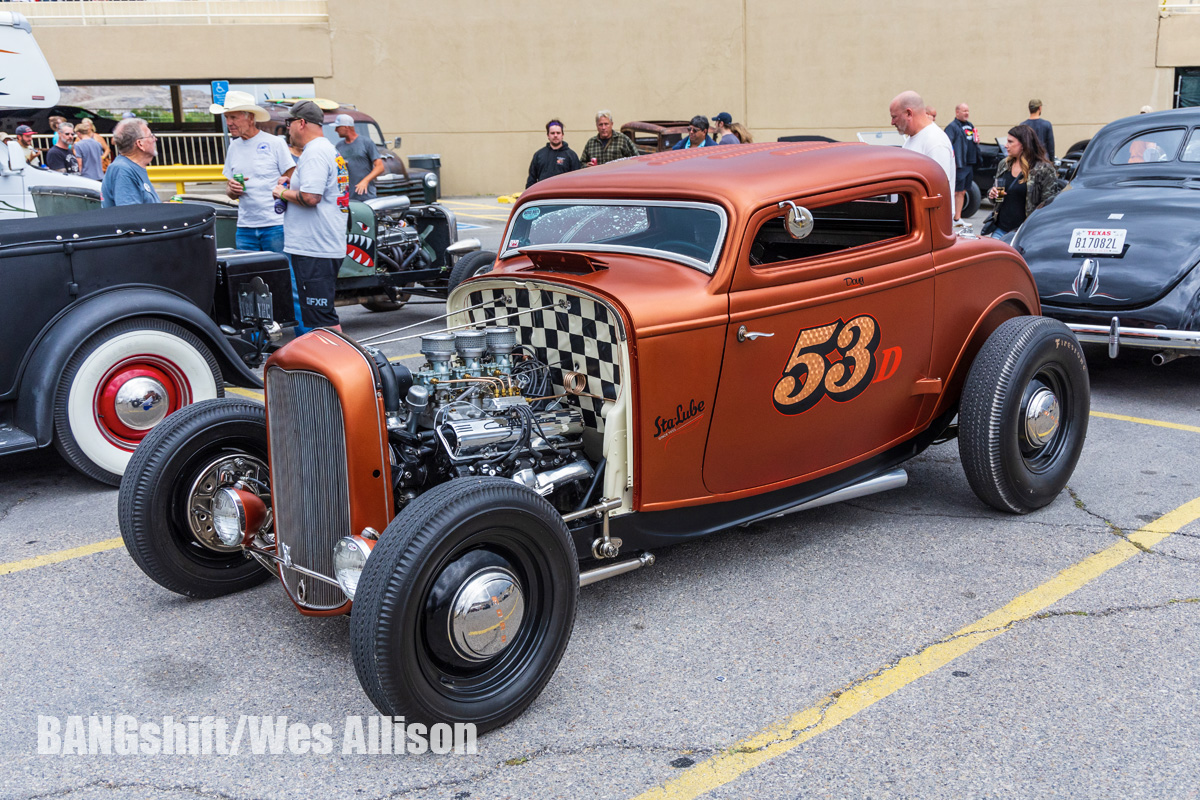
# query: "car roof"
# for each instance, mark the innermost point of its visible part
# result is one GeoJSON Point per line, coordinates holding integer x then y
{"type": "Point", "coordinates": [743, 177]}
{"type": "Point", "coordinates": [1101, 148]}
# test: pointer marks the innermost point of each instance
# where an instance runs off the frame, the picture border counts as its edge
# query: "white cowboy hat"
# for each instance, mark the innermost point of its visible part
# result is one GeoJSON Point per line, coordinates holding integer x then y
{"type": "Point", "coordinates": [240, 101]}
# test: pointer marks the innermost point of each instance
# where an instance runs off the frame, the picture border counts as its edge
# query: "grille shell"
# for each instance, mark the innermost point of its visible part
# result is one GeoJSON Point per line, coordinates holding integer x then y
{"type": "Point", "coordinates": [309, 481]}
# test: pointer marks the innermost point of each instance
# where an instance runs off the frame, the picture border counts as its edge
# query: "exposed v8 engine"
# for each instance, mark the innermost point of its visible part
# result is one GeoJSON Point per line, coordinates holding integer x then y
{"type": "Point", "coordinates": [481, 405]}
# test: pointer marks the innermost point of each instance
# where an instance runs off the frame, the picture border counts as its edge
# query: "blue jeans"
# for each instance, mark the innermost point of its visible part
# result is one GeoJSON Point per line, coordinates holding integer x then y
{"type": "Point", "coordinates": [271, 239]}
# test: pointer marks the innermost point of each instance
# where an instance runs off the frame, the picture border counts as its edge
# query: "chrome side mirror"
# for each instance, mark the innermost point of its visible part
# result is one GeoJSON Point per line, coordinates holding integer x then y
{"type": "Point", "coordinates": [396, 143]}
{"type": "Point", "coordinates": [799, 220]}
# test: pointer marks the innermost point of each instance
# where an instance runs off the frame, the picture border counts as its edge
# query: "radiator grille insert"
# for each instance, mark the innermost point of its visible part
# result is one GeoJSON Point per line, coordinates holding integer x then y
{"type": "Point", "coordinates": [308, 479]}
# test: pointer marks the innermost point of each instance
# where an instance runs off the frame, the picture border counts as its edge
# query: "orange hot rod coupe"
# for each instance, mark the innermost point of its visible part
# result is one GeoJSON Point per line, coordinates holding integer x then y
{"type": "Point", "coordinates": [669, 346]}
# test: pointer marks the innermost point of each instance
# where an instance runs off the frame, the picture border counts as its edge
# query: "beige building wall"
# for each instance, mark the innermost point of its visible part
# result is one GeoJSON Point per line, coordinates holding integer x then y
{"type": "Point", "coordinates": [199, 53]}
{"type": "Point", "coordinates": [476, 81]}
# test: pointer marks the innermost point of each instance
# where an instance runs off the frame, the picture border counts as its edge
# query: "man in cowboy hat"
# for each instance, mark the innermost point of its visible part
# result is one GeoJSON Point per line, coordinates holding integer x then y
{"type": "Point", "coordinates": [259, 159]}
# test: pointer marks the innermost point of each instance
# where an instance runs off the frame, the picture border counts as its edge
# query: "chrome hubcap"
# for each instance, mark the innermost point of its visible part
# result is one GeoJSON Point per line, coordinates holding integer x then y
{"type": "Point", "coordinates": [141, 403]}
{"type": "Point", "coordinates": [486, 614]}
{"type": "Point", "coordinates": [216, 475]}
{"type": "Point", "coordinates": [1041, 417]}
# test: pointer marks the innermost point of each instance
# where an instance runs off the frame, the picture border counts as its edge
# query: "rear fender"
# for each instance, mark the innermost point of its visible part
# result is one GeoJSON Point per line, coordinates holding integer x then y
{"type": "Point", "coordinates": [66, 333]}
{"type": "Point", "coordinates": [1001, 311]}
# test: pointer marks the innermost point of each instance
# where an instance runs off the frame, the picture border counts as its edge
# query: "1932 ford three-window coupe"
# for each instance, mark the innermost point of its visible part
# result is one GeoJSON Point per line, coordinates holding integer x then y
{"type": "Point", "coordinates": [669, 346]}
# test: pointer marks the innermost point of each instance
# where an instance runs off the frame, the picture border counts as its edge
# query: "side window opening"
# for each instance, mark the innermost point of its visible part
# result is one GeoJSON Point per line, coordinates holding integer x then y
{"type": "Point", "coordinates": [1149, 147]}
{"type": "Point", "coordinates": [843, 226]}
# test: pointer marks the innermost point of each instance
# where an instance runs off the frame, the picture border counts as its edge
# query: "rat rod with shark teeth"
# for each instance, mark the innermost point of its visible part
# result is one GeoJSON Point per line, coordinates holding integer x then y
{"type": "Point", "coordinates": [669, 346]}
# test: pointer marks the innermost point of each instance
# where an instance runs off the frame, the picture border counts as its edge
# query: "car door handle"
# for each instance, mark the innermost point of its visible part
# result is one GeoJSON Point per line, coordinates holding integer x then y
{"type": "Point", "coordinates": [744, 334]}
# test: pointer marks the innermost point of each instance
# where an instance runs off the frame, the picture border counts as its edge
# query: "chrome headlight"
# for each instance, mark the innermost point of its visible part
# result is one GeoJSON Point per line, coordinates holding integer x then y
{"type": "Point", "coordinates": [431, 180]}
{"type": "Point", "coordinates": [349, 557]}
{"type": "Point", "coordinates": [228, 517]}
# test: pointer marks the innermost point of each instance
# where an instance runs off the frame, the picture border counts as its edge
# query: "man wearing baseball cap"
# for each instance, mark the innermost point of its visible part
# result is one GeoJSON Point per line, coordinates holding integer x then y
{"type": "Point", "coordinates": [721, 131]}
{"type": "Point", "coordinates": [25, 137]}
{"type": "Point", "coordinates": [314, 224]}
{"type": "Point", "coordinates": [361, 156]}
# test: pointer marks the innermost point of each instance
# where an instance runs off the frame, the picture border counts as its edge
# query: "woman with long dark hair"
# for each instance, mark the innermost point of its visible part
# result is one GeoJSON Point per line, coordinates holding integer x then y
{"type": "Point", "coordinates": [1025, 181]}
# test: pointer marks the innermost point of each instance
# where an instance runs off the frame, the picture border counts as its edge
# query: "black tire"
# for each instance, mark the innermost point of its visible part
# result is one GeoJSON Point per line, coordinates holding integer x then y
{"type": "Point", "coordinates": [89, 431]}
{"type": "Point", "coordinates": [470, 265]}
{"type": "Point", "coordinates": [972, 201]}
{"type": "Point", "coordinates": [164, 484]}
{"type": "Point", "coordinates": [1009, 466]}
{"type": "Point", "coordinates": [403, 650]}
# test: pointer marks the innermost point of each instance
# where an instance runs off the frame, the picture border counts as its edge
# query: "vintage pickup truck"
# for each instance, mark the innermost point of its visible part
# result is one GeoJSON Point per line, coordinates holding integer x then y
{"type": "Point", "coordinates": [668, 347]}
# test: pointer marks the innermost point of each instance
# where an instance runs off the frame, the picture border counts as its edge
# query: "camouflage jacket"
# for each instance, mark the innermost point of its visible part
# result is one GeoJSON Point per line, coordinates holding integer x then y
{"type": "Point", "coordinates": [1041, 187]}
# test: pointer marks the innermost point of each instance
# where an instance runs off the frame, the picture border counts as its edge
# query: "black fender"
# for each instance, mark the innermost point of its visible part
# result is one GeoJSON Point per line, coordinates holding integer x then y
{"type": "Point", "coordinates": [66, 333]}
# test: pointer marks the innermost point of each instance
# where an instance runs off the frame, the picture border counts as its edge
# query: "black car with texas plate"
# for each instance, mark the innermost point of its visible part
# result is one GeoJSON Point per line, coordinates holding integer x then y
{"type": "Point", "coordinates": [1116, 254]}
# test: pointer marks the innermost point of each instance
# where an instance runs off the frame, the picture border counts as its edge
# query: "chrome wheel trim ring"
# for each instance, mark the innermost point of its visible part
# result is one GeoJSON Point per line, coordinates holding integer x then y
{"type": "Point", "coordinates": [216, 475]}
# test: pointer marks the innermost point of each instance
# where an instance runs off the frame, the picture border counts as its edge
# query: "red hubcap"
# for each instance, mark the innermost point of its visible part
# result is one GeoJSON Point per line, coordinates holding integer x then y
{"type": "Point", "coordinates": [135, 394]}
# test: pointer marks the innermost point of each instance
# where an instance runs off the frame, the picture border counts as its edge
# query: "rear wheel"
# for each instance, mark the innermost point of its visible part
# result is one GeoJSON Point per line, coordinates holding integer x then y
{"type": "Point", "coordinates": [123, 382]}
{"type": "Point", "coordinates": [1023, 414]}
{"type": "Point", "coordinates": [478, 263]}
{"type": "Point", "coordinates": [972, 201]}
{"type": "Point", "coordinates": [466, 604]}
{"type": "Point", "coordinates": [165, 504]}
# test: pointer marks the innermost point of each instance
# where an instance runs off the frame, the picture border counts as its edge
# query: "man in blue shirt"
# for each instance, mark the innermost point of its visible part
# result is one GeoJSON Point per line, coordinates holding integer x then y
{"type": "Point", "coordinates": [697, 135]}
{"type": "Point", "coordinates": [126, 182]}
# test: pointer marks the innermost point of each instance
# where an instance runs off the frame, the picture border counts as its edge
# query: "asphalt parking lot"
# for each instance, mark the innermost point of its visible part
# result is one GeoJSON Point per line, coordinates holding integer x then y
{"type": "Point", "coordinates": [908, 644]}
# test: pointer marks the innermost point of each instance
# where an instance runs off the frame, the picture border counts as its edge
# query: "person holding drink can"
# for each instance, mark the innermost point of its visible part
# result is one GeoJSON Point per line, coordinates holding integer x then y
{"type": "Point", "coordinates": [1026, 180]}
{"type": "Point", "coordinates": [253, 164]}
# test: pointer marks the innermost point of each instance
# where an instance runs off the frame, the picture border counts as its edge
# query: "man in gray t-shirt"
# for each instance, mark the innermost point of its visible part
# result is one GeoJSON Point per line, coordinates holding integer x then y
{"type": "Point", "coordinates": [361, 156]}
{"type": "Point", "coordinates": [315, 222]}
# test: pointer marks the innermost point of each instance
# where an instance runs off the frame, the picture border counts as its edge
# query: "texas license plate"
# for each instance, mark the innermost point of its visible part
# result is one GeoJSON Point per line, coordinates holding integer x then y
{"type": "Point", "coordinates": [1097, 241]}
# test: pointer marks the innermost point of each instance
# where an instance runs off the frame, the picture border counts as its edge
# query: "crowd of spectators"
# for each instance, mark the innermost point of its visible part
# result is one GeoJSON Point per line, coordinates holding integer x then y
{"type": "Point", "coordinates": [557, 157]}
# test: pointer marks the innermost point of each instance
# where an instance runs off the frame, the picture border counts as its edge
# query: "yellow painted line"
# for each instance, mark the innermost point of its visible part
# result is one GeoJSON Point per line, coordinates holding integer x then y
{"type": "Point", "coordinates": [253, 394]}
{"type": "Point", "coordinates": [1142, 421]}
{"type": "Point", "coordinates": [454, 204]}
{"type": "Point", "coordinates": [862, 694]}
{"type": "Point", "coordinates": [407, 355]}
{"type": "Point", "coordinates": [60, 556]}
{"type": "Point", "coordinates": [472, 215]}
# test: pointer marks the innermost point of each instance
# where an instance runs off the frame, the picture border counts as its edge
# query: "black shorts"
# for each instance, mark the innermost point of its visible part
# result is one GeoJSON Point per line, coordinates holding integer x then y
{"type": "Point", "coordinates": [316, 278]}
{"type": "Point", "coordinates": [962, 177]}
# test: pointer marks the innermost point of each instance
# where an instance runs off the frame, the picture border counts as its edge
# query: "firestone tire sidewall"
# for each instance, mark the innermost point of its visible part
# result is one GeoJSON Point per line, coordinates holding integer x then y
{"type": "Point", "coordinates": [389, 654]}
{"type": "Point", "coordinates": [1051, 349]}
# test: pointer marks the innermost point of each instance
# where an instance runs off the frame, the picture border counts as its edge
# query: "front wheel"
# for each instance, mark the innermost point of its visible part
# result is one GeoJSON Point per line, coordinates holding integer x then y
{"type": "Point", "coordinates": [465, 605]}
{"type": "Point", "coordinates": [165, 503]}
{"type": "Point", "coordinates": [120, 384]}
{"type": "Point", "coordinates": [478, 263]}
{"type": "Point", "coordinates": [1023, 414]}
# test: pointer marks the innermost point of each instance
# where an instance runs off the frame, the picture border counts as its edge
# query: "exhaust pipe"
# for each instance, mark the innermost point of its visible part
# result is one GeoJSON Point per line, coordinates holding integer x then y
{"type": "Point", "coordinates": [1165, 357]}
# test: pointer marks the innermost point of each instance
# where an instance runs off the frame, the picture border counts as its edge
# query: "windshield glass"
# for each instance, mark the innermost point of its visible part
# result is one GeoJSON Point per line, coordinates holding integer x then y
{"type": "Point", "coordinates": [690, 233]}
